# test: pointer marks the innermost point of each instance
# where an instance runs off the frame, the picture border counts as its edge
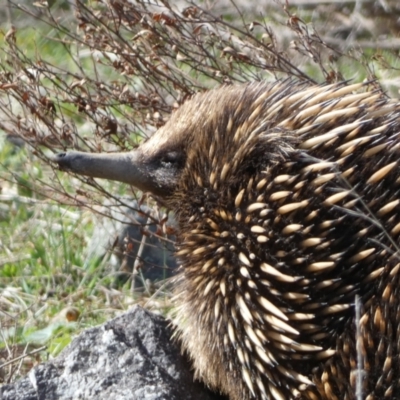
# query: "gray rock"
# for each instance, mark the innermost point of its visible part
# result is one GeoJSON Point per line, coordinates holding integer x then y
{"type": "Point", "coordinates": [129, 357]}
{"type": "Point", "coordinates": [153, 258]}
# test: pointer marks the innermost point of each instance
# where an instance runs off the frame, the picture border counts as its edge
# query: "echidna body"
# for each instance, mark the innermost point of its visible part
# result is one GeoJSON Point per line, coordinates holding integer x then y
{"type": "Point", "coordinates": [287, 197]}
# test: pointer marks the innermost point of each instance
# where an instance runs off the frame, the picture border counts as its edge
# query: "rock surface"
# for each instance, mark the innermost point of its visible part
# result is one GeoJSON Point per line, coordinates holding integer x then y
{"type": "Point", "coordinates": [129, 357]}
{"type": "Point", "coordinates": [155, 258]}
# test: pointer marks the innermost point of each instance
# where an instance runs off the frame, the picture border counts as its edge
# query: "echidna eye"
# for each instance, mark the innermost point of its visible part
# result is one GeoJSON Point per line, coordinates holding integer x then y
{"type": "Point", "coordinates": [171, 159]}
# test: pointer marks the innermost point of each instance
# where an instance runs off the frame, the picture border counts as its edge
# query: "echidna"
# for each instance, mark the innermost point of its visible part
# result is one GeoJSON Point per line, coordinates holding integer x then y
{"type": "Point", "coordinates": [287, 197]}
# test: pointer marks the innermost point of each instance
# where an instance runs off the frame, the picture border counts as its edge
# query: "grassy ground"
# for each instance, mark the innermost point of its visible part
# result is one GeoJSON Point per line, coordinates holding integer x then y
{"type": "Point", "coordinates": [51, 286]}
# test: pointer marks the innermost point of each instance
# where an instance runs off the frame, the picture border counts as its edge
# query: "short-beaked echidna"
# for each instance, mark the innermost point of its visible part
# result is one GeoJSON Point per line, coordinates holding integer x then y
{"type": "Point", "coordinates": [287, 198]}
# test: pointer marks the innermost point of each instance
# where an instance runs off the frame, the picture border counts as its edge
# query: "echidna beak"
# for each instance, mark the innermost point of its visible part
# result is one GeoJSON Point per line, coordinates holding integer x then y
{"type": "Point", "coordinates": [128, 167]}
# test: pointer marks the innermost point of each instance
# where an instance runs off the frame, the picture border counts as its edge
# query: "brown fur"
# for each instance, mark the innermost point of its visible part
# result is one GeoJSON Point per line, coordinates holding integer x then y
{"type": "Point", "coordinates": [264, 149]}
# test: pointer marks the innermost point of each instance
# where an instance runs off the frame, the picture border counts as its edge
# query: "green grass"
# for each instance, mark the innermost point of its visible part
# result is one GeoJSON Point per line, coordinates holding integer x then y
{"type": "Point", "coordinates": [50, 287]}
{"type": "Point", "coordinates": [46, 274]}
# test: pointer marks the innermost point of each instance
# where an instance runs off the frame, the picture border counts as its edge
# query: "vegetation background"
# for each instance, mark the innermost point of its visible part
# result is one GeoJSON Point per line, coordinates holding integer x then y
{"type": "Point", "coordinates": [101, 76]}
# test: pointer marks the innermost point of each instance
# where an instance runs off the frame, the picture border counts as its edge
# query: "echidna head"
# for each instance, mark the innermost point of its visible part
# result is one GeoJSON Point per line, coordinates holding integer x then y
{"type": "Point", "coordinates": [208, 133]}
